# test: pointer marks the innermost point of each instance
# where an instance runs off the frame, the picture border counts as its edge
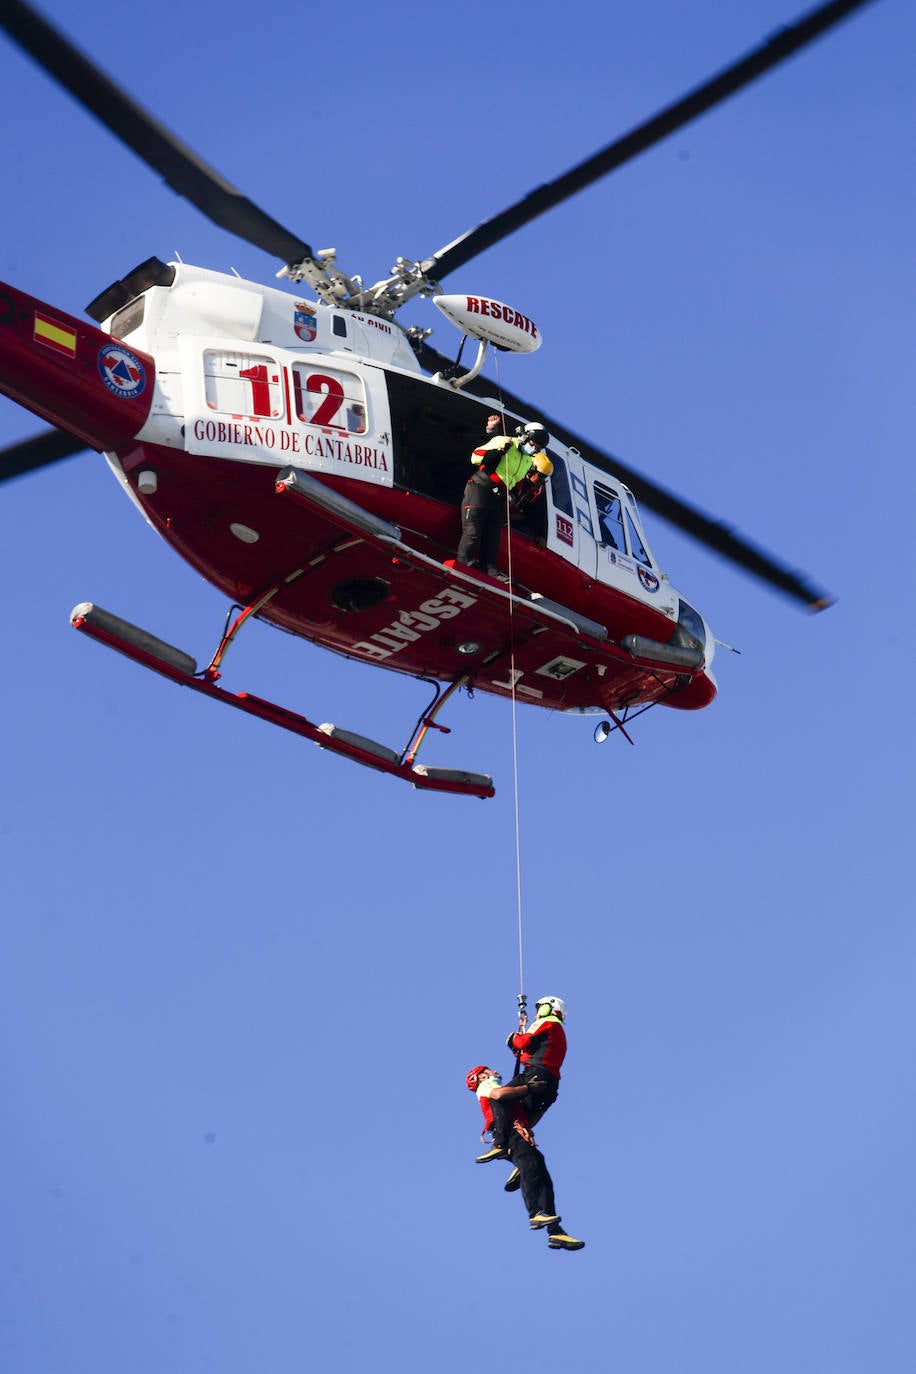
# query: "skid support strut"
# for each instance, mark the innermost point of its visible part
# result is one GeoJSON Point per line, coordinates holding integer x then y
{"type": "Point", "coordinates": [427, 721]}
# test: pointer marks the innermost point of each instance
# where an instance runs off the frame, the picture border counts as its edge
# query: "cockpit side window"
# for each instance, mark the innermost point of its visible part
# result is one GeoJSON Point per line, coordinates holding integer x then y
{"type": "Point", "coordinates": [610, 518]}
{"type": "Point", "coordinates": [636, 544]}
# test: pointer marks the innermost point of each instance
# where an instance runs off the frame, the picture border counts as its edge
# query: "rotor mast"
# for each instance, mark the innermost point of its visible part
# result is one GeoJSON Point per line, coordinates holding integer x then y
{"type": "Point", "coordinates": [384, 299]}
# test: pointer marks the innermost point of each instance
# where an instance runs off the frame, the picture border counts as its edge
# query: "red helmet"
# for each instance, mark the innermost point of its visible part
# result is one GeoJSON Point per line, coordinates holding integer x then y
{"type": "Point", "coordinates": [474, 1076]}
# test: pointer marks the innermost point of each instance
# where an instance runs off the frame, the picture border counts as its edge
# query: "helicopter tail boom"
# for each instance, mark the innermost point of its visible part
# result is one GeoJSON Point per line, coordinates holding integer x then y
{"type": "Point", "coordinates": [70, 373]}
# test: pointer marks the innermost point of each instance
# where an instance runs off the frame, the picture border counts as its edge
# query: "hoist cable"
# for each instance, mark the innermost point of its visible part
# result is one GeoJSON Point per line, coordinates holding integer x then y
{"type": "Point", "coordinates": [513, 697]}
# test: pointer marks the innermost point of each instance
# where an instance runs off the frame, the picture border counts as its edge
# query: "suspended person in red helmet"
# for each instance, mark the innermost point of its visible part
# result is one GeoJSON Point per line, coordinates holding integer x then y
{"type": "Point", "coordinates": [533, 1090]}
{"type": "Point", "coordinates": [501, 464]}
{"type": "Point", "coordinates": [487, 1084]}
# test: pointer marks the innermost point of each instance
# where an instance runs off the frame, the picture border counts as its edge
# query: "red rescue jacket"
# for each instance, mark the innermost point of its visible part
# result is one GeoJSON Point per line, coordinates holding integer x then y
{"type": "Point", "coordinates": [544, 1045]}
{"type": "Point", "coordinates": [515, 1109]}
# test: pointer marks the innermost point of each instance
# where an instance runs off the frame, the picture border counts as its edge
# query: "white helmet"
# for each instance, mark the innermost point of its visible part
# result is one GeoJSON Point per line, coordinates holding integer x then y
{"type": "Point", "coordinates": [535, 434]}
{"type": "Point", "coordinates": [556, 1004]}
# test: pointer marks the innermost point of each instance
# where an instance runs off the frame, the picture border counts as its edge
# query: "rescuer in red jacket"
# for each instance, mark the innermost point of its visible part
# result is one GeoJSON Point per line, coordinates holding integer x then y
{"type": "Point", "coordinates": [517, 1106]}
{"type": "Point", "coordinates": [539, 1052]}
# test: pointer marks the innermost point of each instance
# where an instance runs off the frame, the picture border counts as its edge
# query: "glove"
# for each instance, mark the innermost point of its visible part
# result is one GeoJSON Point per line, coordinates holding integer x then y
{"type": "Point", "coordinates": [510, 1041]}
{"type": "Point", "coordinates": [491, 460]}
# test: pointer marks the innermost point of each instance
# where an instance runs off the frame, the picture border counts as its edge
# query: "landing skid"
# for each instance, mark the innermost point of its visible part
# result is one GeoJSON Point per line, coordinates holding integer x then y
{"type": "Point", "coordinates": [179, 667]}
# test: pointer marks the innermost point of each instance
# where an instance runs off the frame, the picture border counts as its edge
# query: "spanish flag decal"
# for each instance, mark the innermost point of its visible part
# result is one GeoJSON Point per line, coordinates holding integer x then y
{"type": "Point", "coordinates": [54, 335]}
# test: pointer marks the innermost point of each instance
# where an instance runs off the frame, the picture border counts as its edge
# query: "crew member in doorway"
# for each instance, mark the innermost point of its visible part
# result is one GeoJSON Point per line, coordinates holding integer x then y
{"type": "Point", "coordinates": [528, 508]}
{"type": "Point", "coordinates": [501, 464]}
{"type": "Point", "coordinates": [514, 1108]}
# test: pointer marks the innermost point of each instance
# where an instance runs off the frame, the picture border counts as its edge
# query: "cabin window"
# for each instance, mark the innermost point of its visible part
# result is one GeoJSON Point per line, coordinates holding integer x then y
{"type": "Point", "coordinates": [610, 518]}
{"type": "Point", "coordinates": [243, 383]}
{"type": "Point", "coordinates": [339, 326]}
{"type": "Point", "coordinates": [636, 544]}
{"type": "Point", "coordinates": [582, 512]}
{"type": "Point", "coordinates": [330, 397]}
{"type": "Point", "coordinates": [559, 486]}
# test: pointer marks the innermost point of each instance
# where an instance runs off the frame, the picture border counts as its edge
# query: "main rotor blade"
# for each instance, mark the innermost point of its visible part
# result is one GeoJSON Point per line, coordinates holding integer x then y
{"type": "Point", "coordinates": [719, 537]}
{"type": "Point", "coordinates": [770, 53]}
{"type": "Point", "coordinates": [50, 446]}
{"type": "Point", "coordinates": [181, 168]}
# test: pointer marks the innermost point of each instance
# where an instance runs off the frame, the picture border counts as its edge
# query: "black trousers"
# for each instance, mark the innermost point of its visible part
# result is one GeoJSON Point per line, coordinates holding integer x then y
{"type": "Point", "coordinates": [542, 1093]}
{"type": "Point", "coordinates": [482, 520]}
{"type": "Point", "coordinates": [537, 1185]}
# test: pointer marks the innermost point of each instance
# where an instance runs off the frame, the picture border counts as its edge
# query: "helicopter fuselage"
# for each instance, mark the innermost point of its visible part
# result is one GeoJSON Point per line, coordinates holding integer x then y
{"type": "Point", "coordinates": [299, 458]}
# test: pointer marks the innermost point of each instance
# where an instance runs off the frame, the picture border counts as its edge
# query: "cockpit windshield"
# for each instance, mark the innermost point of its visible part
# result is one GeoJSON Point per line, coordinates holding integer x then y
{"type": "Point", "coordinates": [691, 628]}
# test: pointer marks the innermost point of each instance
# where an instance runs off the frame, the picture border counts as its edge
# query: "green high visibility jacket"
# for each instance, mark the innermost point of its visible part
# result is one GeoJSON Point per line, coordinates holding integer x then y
{"type": "Point", "coordinates": [512, 465]}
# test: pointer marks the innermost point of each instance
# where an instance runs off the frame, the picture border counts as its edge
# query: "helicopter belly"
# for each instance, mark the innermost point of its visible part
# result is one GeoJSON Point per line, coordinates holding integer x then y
{"type": "Point", "coordinates": [335, 582]}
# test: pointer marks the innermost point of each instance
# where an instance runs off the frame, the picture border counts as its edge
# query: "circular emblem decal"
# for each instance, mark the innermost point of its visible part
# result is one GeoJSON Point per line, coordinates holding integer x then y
{"type": "Point", "coordinates": [121, 372]}
{"type": "Point", "coordinates": [648, 580]}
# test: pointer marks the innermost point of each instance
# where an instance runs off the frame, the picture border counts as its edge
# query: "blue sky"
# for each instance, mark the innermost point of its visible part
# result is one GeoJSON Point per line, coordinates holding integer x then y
{"type": "Point", "coordinates": [243, 980]}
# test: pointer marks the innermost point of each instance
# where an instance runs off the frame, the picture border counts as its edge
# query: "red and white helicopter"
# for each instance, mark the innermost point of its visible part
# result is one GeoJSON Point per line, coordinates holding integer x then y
{"type": "Point", "coordinates": [308, 456]}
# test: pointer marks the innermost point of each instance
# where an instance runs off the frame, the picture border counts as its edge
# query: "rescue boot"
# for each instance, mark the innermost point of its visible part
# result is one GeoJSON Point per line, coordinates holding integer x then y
{"type": "Point", "coordinates": [559, 1240]}
{"type": "Point", "coordinates": [513, 1182]}
{"type": "Point", "coordinates": [497, 1152]}
{"type": "Point", "coordinates": [541, 1219]}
